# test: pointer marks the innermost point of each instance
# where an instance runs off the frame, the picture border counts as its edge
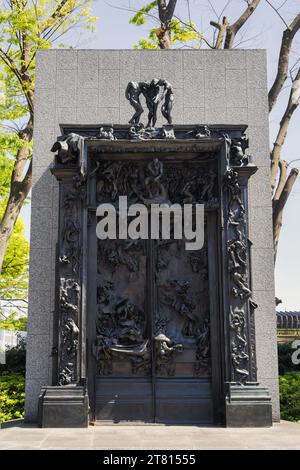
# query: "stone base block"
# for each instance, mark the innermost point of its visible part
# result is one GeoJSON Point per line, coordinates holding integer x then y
{"type": "Point", "coordinates": [248, 405]}
{"type": "Point", "coordinates": [63, 407]}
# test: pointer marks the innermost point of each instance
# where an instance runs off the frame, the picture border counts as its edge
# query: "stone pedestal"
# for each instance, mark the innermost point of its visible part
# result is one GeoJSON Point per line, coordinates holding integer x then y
{"type": "Point", "coordinates": [248, 405]}
{"type": "Point", "coordinates": [63, 406]}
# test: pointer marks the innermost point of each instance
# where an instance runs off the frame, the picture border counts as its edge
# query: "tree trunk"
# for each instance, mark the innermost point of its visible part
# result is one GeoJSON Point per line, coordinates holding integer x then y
{"type": "Point", "coordinates": [19, 188]}
{"type": "Point", "coordinates": [233, 29]}
{"type": "Point", "coordinates": [222, 28]}
{"type": "Point", "coordinates": [18, 194]}
{"type": "Point", "coordinates": [164, 37]}
{"type": "Point", "coordinates": [292, 105]}
{"type": "Point", "coordinates": [278, 207]}
{"type": "Point", "coordinates": [283, 61]}
{"type": "Point", "coordinates": [166, 12]}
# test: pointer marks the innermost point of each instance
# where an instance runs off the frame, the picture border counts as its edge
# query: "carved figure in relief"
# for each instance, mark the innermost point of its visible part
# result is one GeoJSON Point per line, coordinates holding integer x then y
{"type": "Point", "coordinates": [236, 219]}
{"type": "Point", "coordinates": [237, 251]}
{"type": "Point", "coordinates": [239, 358]}
{"type": "Point", "coordinates": [203, 347]}
{"type": "Point", "coordinates": [237, 150]}
{"type": "Point", "coordinates": [232, 183]}
{"type": "Point", "coordinates": [67, 148]}
{"type": "Point", "coordinates": [111, 174]}
{"type": "Point", "coordinates": [240, 280]}
{"type": "Point", "coordinates": [70, 334]}
{"type": "Point", "coordinates": [237, 323]}
{"type": "Point", "coordinates": [166, 350]}
{"type": "Point", "coordinates": [202, 132]}
{"type": "Point", "coordinates": [151, 92]}
{"type": "Point", "coordinates": [70, 231]}
{"type": "Point", "coordinates": [208, 186]}
{"type": "Point", "coordinates": [188, 190]}
{"type": "Point", "coordinates": [154, 187]}
{"type": "Point", "coordinates": [198, 262]}
{"type": "Point", "coordinates": [130, 321]}
{"type": "Point", "coordinates": [120, 334]}
{"type": "Point", "coordinates": [168, 96]}
{"type": "Point", "coordinates": [70, 248]}
{"type": "Point", "coordinates": [183, 305]}
{"type": "Point", "coordinates": [132, 93]}
{"type": "Point", "coordinates": [65, 375]}
{"type": "Point", "coordinates": [138, 133]}
{"type": "Point", "coordinates": [107, 134]}
{"type": "Point", "coordinates": [104, 293]}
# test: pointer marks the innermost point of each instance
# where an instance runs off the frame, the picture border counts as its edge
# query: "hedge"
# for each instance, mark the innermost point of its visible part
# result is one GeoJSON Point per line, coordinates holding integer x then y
{"type": "Point", "coordinates": [290, 396]}
{"type": "Point", "coordinates": [12, 395]}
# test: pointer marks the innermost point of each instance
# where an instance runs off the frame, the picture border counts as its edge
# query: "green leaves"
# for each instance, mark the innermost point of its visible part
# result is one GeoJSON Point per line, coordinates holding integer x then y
{"type": "Point", "coordinates": [146, 44]}
{"type": "Point", "coordinates": [14, 275]}
{"type": "Point", "coordinates": [140, 17]}
{"type": "Point", "coordinates": [13, 322]}
{"type": "Point", "coordinates": [25, 27]}
{"type": "Point", "coordinates": [289, 386]}
{"type": "Point", "coordinates": [12, 396]}
{"type": "Point", "coordinates": [181, 32]}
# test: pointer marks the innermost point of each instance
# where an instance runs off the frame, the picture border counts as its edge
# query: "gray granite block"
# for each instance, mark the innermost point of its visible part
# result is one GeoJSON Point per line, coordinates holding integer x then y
{"type": "Point", "coordinates": [67, 59]}
{"type": "Point", "coordinates": [32, 391]}
{"type": "Point", "coordinates": [108, 86]}
{"type": "Point", "coordinates": [236, 88]}
{"type": "Point", "coordinates": [235, 59]}
{"type": "Point", "coordinates": [193, 115]}
{"type": "Point", "coordinates": [45, 71]}
{"type": "Point", "coordinates": [193, 60]}
{"type": "Point", "coordinates": [263, 269]}
{"type": "Point", "coordinates": [109, 59]}
{"type": "Point", "coordinates": [41, 224]}
{"type": "Point", "coordinates": [38, 356]}
{"type": "Point", "coordinates": [193, 88]}
{"type": "Point", "coordinates": [261, 217]}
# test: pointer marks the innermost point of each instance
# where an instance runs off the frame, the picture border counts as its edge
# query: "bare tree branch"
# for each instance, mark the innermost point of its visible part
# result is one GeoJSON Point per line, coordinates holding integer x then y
{"type": "Point", "coordinates": [190, 26]}
{"type": "Point", "coordinates": [233, 29]}
{"type": "Point", "coordinates": [277, 12]}
{"type": "Point", "coordinates": [222, 28]}
{"type": "Point", "coordinates": [283, 61]}
{"type": "Point", "coordinates": [278, 207]}
{"type": "Point", "coordinates": [292, 105]}
{"type": "Point", "coordinates": [283, 166]}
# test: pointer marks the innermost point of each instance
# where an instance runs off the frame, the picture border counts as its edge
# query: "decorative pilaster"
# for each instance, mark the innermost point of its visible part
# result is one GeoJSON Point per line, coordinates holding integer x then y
{"type": "Point", "coordinates": [247, 403]}
{"type": "Point", "coordinates": [69, 171]}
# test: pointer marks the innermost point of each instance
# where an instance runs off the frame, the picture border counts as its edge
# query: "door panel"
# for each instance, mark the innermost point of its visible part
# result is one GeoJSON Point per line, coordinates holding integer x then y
{"type": "Point", "coordinates": [122, 347]}
{"type": "Point", "coordinates": [185, 401]}
{"type": "Point", "coordinates": [124, 399]}
{"type": "Point", "coordinates": [152, 348]}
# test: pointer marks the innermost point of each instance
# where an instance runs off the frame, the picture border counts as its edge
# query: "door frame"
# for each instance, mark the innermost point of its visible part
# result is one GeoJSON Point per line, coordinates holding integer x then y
{"type": "Point", "coordinates": [216, 314]}
{"type": "Point", "coordinates": [74, 180]}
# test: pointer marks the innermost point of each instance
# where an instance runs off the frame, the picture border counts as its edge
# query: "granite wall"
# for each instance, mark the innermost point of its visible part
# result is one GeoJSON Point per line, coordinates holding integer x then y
{"type": "Point", "coordinates": [87, 87]}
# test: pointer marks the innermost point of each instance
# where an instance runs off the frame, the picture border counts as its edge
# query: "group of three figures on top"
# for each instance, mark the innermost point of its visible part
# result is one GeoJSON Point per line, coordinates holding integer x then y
{"type": "Point", "coordinates": [153, 96]}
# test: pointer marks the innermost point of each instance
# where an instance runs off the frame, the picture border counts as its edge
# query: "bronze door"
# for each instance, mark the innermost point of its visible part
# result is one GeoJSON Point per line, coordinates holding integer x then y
{"type": "Point", "coordinates": [150, 330]}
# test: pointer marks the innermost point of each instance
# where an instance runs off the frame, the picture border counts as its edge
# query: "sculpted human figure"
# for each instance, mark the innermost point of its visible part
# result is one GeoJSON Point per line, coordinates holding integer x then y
{"type": "Point", "coordinates": [167, 106]}
{"type": "Point", "coordinates": [209, 185]}
{"type": "Point", "coordinates": [154, 92]}
{"type": "Point", "coordinates": [132, 93]}
{"type": "Point", "coordinates": [151, 92]}
{"type": "Point", "coordinates": [152, 183]}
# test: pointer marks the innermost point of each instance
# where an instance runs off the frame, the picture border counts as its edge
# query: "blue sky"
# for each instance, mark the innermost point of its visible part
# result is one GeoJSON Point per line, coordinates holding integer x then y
{"type": "Point", "coordinates": [263, 30]}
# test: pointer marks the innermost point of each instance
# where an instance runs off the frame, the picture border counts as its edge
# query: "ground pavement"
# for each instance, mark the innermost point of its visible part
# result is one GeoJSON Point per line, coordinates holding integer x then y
{"type": "Point", "coordinates": [285, 435]}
